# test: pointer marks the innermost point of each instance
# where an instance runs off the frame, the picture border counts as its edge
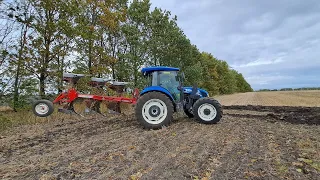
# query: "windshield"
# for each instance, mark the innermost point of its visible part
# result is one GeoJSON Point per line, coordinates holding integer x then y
{"type": "Point", "coordinates": [169, 80]}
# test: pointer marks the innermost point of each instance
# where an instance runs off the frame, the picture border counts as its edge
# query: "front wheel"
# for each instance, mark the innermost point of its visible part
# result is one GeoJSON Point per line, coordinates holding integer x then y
{"type": "Point", "coordinates": [154, 110]}
{"type": "Point", "coordinates": [207, 110]}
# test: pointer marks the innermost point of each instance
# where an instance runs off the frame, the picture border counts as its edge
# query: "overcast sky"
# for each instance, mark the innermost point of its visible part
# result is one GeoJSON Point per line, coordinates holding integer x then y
{"type": "Point", "coordinates": [273, 43]}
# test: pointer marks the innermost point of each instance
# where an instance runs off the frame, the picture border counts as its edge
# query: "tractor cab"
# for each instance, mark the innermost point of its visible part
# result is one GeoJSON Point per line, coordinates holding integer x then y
{"type": "Point", "coordinates": [166, 79]}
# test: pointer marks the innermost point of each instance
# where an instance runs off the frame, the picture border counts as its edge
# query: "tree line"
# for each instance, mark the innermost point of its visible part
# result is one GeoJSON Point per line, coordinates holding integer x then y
{"type": "Point", "coordinates": [292, 89]}
{"type": "Point", "coordinates": [41, 39]}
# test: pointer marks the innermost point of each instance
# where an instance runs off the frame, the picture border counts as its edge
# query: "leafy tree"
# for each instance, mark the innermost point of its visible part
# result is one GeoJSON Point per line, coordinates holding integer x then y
{"type": "Point", "coordinates": [242, 84]}
{"type": "Point", "coordinates": [218, 78]}
{"type": "Point", "coordinates": [22, 16]}
{"type": "Point", "coordinates": [160, 27]}
{"type": "Point", "coordinates": [43, 43]}
{"type": "Point", "coordinates": [6, 29]}
{"type": "Point", "coordinates": [210, 75]}
{"type": "Point", "coordinates": [95, 20]}
{"type": "Point", "coordinates": [135, 40]}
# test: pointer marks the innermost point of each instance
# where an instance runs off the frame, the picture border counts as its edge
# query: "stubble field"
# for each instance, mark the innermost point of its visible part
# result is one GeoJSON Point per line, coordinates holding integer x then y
{"type": "Point", "coordinates": [262, 135]}
{"type": "Point", "coordinates": [274, 98]}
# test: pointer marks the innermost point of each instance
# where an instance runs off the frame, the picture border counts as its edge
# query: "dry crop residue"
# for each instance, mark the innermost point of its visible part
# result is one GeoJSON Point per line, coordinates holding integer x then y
{"type": "Point", "coordinates": [273, 98]}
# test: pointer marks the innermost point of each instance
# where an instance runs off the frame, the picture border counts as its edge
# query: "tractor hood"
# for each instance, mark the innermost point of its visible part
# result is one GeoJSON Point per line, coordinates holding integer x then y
{"type": "Point", "coordinates": [201, 92]}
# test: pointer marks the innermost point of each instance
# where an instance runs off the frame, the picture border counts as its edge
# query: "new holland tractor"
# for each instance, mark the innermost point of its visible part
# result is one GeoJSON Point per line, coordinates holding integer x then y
{"type": "Point", "coordinates": [163, 95]}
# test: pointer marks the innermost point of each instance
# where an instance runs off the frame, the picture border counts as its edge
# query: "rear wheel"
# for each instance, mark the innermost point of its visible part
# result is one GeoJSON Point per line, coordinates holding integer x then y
{"type": "Point", "coordinates": [154, 110]}
{"type": "Point", "coordinates": [207, 110]}
{"type": "Point", "coordinates": [42, 108]}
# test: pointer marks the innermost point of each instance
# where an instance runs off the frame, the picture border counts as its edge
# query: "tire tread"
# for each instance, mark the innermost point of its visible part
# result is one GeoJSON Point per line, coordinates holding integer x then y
{"type": "Point", "coordinates": [152, 95]}
{"type": "Point", "coordinates": [211, 101]}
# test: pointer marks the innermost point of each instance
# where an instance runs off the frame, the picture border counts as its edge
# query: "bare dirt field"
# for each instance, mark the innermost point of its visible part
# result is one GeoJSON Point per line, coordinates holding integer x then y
{"type": "Point", "coordinates": [272, 138]}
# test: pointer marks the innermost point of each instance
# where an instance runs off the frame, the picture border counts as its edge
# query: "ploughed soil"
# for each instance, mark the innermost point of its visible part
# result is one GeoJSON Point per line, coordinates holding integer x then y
{"type": "Point", "coordinates": [291, 114]}
{"type": "Point", "coordinates": [250, 142]}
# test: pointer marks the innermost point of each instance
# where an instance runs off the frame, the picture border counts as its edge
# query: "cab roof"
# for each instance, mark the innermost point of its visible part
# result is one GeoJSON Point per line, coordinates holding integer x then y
{"type": "Point", "coordinates": [158, 68]}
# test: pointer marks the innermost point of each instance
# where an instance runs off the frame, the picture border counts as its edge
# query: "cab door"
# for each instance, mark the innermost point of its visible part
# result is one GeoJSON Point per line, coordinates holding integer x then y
{"type": "Point", "coordinates": [169, 81]}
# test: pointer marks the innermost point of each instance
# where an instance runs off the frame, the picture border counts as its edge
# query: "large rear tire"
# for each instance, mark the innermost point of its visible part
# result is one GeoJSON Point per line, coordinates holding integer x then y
{"type": "Point", "coordinates": [207, 110]}
{"type": "Point", "coordinates": [154, 110]}
{"type": "Point", "coordinates": [42, 108]}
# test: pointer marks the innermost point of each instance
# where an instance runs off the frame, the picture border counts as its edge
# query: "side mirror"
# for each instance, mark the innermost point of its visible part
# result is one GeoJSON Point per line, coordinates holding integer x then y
{"type": "Point", "coordinates": [180, 77]}
{"type": "Point", "coordinates": [183, 76]}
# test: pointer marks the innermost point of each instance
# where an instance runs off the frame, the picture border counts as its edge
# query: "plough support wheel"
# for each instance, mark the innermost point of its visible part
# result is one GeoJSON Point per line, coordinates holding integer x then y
{"type": "Point", "coordinates": [42, 108]}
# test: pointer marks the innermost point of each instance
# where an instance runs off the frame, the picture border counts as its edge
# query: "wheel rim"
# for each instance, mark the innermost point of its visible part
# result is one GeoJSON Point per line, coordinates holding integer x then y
{"type": "Point", "coordinates": [154, 111]}
{"type": "Point", "coordinates": [42, 108]}
{"type": "Point", "coordinates": [207, 112]}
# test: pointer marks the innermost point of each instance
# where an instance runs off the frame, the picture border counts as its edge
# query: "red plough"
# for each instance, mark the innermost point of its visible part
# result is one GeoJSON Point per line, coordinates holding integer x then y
{"type": "Point", "coordinates": [66, 99]}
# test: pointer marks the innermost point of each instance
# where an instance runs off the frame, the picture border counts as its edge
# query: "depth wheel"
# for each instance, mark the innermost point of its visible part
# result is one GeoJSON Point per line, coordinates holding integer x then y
{"type": "Point", "coordinates": [42, 108]}
{"type": "Point", "coordinates": [207, 110]}
{"type": "Point", "coordinates": [154, 110]}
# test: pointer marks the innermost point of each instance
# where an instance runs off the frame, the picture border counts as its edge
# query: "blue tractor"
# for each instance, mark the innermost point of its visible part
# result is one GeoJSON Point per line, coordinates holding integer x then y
{"type": "Point", "coordinates": [165, 94]}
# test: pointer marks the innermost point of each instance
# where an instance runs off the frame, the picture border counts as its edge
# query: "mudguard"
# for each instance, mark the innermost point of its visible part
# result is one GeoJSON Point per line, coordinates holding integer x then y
{"type": "Point", "coordinates": [157, 88]}
{"type": "Point", "coordinates": [201, 92]}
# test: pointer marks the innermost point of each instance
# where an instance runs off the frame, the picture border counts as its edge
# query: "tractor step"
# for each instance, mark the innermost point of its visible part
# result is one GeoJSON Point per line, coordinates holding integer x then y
{"type": "Point", "coordinates": [179, 107]}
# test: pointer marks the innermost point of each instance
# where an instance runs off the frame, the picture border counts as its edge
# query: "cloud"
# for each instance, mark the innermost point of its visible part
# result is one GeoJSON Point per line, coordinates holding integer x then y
{"type": "Point", "coordinates": [265, 80]}
{"type": "Point", "coordinates": [261, 62]}
{"type": "Point", "coordinates": [272, 43]}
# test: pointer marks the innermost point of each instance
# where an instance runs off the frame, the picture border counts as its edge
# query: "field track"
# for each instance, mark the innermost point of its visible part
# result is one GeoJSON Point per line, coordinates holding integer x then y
{"type": "Point", "coordinates": [264, 140]}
